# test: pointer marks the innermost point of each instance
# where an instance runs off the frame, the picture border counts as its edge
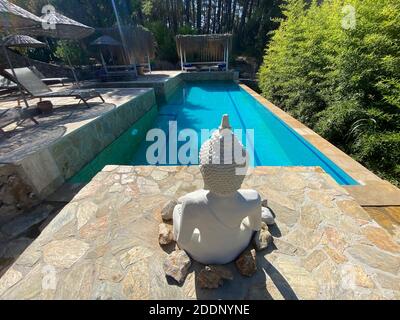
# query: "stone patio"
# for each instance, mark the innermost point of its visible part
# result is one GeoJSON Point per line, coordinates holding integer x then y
{"type": "Point", "coordinates": [103, 244]}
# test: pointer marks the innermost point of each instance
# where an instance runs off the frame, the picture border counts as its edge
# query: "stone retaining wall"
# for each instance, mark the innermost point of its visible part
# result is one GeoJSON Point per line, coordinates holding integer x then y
{"type": "Point", "coordinates": [43, 172]}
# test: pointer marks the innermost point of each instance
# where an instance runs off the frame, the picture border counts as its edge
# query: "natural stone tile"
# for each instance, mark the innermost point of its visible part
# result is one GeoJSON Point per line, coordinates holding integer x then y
{"type": "Point", "coordinates": [335, 255]}
{"type": "Point", "coordinates": [64, 253]}
{"type": "Point", "coordinates": [78, 283]}
{"type": "Point", "coordinates": [11, 277]}
{"type": "Point", "coordinates": [86, 211]}
{"type": "Point", "coordinates": [134, 255]}
{"type": "Point", "coordinates": [109, 269]}
{"type": "Point", "coordinates": [381, 239]}
{"type": "Point", "coordinates": [375, 258]}
{"type": "Point", "coordinates": [27, 288]}
{"type": "Point", "coordinates": [314, 260]}
{"type": "Point", "coordinates": [288, 249]}
{"type": "Point", "coordinates": [387, 281]}
{"type": "Point", "coordinates": [334, 238]}
{"type": "Point", "coordinates": [136, 284]}
{"type": "Point", "coordinates": [292, 280]}
{"type": "Point", "coordinates": [310, 216]}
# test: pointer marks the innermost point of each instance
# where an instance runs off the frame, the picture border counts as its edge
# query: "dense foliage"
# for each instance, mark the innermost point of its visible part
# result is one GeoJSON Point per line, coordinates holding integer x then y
{"type": "Point", "coordinates": [249, 20]}
{"type": "Point", "coordinates": [337, 68]}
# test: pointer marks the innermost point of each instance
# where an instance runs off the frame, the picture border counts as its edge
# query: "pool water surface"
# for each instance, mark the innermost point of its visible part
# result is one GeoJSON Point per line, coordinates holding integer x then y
{"type": "Point", "coordinates": [201, 105]}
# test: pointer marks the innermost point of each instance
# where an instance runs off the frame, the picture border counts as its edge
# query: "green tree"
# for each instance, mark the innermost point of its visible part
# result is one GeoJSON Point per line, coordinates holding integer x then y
{"type": "Point", "coordinates": [335, 65]}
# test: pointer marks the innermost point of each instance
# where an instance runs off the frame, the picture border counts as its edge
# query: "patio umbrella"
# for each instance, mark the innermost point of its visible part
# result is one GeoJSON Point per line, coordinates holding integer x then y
{"type": "Point", "coordinates": [105, 41]}
{"type": "Point", "coordinates": [14, 18]}
{"type": "Point", "coordinates": [62, 27]}
{"type": "Point", "coordinates": [21, 41]}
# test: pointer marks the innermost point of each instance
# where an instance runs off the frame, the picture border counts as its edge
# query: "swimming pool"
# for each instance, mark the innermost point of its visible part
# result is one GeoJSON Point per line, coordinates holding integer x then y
{"type": "Point", "coordinates": [201, 105]}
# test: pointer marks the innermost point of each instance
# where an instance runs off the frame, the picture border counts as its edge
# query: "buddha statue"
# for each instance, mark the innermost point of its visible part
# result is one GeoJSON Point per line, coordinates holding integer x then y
{"type": "Point", "coordinates": [216, 224]}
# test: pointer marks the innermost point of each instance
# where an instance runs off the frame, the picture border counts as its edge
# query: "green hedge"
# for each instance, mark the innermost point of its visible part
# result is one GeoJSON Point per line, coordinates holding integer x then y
{"type": "Point", "coordinates": [336, 67]}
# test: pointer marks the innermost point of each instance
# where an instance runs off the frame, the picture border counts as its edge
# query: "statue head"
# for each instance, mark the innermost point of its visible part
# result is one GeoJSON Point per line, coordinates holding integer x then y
{"type": "Point", "coordinates": [223, 161]}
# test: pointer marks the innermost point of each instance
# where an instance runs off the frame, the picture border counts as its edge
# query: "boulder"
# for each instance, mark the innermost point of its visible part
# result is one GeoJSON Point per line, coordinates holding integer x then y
{"type": "Point", "coordinates": [262, 238]}
{"type": "Point", "coordinates": [165, 234]}
{"type": "Point", "coordinates": [267, 216]}
{"type": "Point", "coordinates": [246, 263]}
{"type": "Point", "coordinates": [168, 211]}
{"type": "Point", "coordinates": [177, 265]}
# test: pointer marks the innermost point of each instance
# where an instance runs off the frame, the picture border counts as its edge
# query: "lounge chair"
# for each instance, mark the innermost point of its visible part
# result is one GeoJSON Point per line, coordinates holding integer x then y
{"type": "Point", "coordinates": [49, 80]}
{"type": "Point", "coordinates": [188, 67]}
{"type": "Point", "coordinates": [37, 89]}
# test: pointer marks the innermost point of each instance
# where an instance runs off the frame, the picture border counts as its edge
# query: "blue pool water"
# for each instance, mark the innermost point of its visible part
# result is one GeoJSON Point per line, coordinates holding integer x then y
{"type": "Point", "coordinates": [201, 105]}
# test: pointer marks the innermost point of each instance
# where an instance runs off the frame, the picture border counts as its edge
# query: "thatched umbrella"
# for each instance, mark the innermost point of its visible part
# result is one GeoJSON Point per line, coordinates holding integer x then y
{"type": "Point", "coordinates": [105, 41]}
{"type": "Point", "coordinates": [62, 27]}
{"type": "Point", "coordinates": [15, 18]}
{"type": "Point", "coordinates": [21, 41]}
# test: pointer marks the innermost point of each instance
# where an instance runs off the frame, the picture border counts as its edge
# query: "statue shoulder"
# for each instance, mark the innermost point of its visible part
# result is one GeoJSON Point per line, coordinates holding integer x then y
{"type": "Point", "coordinates": [196, 198]}
{"type": "Point", "coordinates": [251, 196]}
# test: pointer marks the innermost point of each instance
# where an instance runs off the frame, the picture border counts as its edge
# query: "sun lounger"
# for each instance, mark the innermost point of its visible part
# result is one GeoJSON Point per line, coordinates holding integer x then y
{"type": "Point", "coordinates": [188, 67]}
{"type": "Point", "coordinates": [30, 82]}
{"type": "Point", "coordinates": [49, 80]}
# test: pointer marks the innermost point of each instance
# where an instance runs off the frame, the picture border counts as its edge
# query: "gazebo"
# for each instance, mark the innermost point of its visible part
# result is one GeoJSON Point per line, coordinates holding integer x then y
{"type": "Point", "coordinates": [204, 50]}
{"type": "Point", "coordinates": [138, 45]}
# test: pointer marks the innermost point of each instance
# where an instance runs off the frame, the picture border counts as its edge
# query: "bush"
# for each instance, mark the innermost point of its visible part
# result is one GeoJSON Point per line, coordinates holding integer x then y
{"type": "Point", "coordinates": [71, 51]}
{"type": "Point", "coordinates": [340, 76]}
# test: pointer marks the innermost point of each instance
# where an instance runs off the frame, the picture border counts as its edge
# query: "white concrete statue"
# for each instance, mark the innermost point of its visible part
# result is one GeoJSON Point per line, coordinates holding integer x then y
{"type": "Point", "coordinates": [216, 224]}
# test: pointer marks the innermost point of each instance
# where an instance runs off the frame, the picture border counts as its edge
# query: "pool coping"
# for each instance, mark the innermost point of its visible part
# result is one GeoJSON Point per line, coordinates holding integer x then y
{"type": "Point", "coordinates": [372, 191]}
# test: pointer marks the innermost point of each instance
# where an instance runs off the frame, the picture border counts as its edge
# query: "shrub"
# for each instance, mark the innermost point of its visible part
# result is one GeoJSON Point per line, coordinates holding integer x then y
{"type": "Point", "coordinates": [341, 79]}
{"type": "Point", "coordinates": [71, 51]}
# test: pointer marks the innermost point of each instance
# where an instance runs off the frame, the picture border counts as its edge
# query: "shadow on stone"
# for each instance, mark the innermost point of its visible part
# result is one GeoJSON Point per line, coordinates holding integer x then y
{"type": "Point", "coordinates": [243, 288]}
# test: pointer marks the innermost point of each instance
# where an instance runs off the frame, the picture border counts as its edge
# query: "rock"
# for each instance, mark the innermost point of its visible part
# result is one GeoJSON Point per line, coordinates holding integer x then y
{"type": "Point", "coordinates": [212, 277]}
{"type": "Point", "coordinates": [168, 211]}
{"type": "Point", "coordinates": [222, 271]}
{"type": "Point", "coordinates": [262, 238]}
{"type": "Point", "coordinates": [246, 263]}
{"type": "Point", "coordinates": [267, 216]}
{"type": "Point", "coordinates": [165, 234]}
{"type": "Point", "coordinates": [264, 203]}
{"type": "Point", "coordinates": [177, 265]}
{"type": "Point", "coordinates": [208, 279]}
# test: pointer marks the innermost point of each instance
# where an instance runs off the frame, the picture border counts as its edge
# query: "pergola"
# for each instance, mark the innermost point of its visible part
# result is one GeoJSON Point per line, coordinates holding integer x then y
{"type": "Point", "coordinates": [138, 44]}
{"type": "Point", "coordinates": [207, 49]}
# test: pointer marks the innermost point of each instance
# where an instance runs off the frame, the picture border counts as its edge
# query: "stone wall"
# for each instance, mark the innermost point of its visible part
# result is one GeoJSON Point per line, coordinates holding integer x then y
{"type": "Point", "coordinates": [46, 170]}
{"type": "Point", "coordinates": [15, 194]}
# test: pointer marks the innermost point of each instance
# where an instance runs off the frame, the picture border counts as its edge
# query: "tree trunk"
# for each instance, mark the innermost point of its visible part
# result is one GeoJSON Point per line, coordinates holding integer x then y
{"type": "Point", "coordinates": [199, 9]}
{"type": "Point", "coordinates": [219, 15]}
{"type": "Point", "coordinates": [233, 14]}
{"type": "Point", "coordinates": [209, 16]}
{"type": "Point", "coordinates": [187, 11]}
{"type": "Point", "coordinates": [244, 15]}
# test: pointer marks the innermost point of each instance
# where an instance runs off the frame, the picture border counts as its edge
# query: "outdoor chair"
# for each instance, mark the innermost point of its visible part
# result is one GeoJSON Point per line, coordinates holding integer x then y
{"type": "Point", "coordinates": [35, 87]}
{"type": "Point", "coordinates": [49, 80]}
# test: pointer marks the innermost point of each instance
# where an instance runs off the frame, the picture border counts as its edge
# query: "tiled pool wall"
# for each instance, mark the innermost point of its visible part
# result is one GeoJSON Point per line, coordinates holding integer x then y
{"type": "Point", "coordinates": [165, 88]}
{"type": "Point", "coordinates": [46, 170]}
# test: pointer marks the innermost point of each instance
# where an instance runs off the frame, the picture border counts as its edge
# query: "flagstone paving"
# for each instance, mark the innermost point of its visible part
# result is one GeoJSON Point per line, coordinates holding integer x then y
{"type": "Point", "coordinates": [104, 243]}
